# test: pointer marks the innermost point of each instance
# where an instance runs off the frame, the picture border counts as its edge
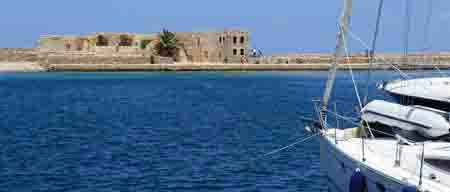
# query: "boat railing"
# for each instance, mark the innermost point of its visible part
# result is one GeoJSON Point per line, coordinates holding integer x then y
{"type": "Point", "coordinates": [342, 114]}
{"type": "Point", "coordinates": [422, 83]}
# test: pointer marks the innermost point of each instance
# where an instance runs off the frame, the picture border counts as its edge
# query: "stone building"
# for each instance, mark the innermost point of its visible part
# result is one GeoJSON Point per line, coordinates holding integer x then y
{"type": "Point", "coordinates": [226, 46]}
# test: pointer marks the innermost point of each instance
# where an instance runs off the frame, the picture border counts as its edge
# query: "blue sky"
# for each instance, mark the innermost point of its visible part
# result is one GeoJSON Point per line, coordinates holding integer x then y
{"type": "Point", "coordinates": [276, 26]}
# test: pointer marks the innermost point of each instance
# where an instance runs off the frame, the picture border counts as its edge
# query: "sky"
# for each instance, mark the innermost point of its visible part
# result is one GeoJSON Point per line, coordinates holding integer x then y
{"type": "Point", "coordinates": [276, 26]}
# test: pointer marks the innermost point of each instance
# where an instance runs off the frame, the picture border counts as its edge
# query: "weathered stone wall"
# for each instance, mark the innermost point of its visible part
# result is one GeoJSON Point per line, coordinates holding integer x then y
{"type": "Point", "coordinates": [97, 42]}
{"type": "Point", "coordinates": [297, 59]}
{"type": "Point", "coordinates": [217, 47]}
{"type": "Point", "coordinates": [413, 59]}
{"type": "Point", "coordinates": [91, 58]}
{"type": "Point", "coordinates": [117, 50]}
{"type": "Point", "coordinates": [235, 44]}
{"type": "Point", "coordinates": [18, 55]}
{"type": "Point", "coordinates": [105, 49]}
{"type": "Point", "coordinates": [192, 46]}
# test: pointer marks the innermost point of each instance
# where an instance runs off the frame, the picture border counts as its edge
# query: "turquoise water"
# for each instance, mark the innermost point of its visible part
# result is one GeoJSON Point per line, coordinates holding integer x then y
{"type": "Point", "coordinates": [190, 131]}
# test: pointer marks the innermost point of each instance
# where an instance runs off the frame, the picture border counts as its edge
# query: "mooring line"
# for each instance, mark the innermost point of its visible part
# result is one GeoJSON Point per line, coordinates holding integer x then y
{"type": "Point", "coordinates": [289, 146]}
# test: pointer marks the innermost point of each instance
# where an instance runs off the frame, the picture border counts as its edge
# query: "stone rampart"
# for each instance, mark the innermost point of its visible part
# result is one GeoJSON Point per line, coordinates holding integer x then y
{"type": "Point", "coordinates": [438, 58]}
{"type": "Point", "coordinates": [91, 58]}
{"type": "Point", "coordinates": [18, 55]}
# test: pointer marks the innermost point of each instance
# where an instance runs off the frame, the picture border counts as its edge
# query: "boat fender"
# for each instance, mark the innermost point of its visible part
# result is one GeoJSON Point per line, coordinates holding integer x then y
{"type": "Point", "coordinates": [381, 86]}
{"type": "Point", "coordinates": [410, 189]}
{"type": "Point", "coordinates": [358, 182]}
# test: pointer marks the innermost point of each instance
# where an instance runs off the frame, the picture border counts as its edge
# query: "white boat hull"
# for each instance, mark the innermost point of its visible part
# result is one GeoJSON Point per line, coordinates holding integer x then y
{"type": "Point", "coordinates": [339, 168]}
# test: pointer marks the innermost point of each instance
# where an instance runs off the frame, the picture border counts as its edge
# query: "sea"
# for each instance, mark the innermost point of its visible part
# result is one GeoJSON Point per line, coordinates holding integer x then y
{"type": "Point", "coordinates": [167, 131]}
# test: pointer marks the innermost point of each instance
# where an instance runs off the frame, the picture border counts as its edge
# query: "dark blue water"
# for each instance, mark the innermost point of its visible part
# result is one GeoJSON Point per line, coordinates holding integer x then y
{"type": "Point", "coordinates": [160, 131]}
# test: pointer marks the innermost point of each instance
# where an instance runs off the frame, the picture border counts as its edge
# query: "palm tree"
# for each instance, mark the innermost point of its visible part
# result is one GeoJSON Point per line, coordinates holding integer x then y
{"type": "Point", "coordinates": [167, 45]}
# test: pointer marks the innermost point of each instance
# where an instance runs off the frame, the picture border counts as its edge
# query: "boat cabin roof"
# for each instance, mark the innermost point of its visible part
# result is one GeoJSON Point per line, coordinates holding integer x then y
{"type": "Point", "coordinates": [437, 89]}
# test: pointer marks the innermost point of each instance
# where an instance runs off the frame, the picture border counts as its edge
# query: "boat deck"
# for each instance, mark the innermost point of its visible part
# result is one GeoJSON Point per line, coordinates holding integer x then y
{"type": "Point", "coordinates": [380, 157]}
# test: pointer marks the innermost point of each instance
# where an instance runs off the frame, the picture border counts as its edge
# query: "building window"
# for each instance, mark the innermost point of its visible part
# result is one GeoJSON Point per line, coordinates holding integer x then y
{"type": "Point", "coordinates": [234, 51]}
{"type": "Point", "coordinates": [125, 40]}
{"type": "Point", "coordinates": [220, 40]}
{"type": "Point", "coordinates": [102, 41]}
{"type": "Point", "coordinates": [234, 39]}
{"type": "Point", "coordinates": [242, 39]}
{"type": "Point", "coordinates": [242, 52]}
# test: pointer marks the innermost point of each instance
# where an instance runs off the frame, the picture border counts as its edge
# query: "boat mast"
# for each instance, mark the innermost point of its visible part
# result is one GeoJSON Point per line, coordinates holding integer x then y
{"type": "Point", "coordinates": [339, 53]}
{"type": "Point", "coordinates": [372, 50]}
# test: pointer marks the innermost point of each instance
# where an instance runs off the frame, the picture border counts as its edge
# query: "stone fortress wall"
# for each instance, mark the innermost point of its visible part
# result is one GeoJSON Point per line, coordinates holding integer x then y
{"type": "Point", "coordinates": [70, 57]}
{"type": "Point", "coordinates": [358, 58]}
{"type": "Point", "coordinates": [227, 46]}
{"type": "Point", "coordinates": [215, 47]}
{"type": "Point", "coordinates": [108, 57]}
{"type": "Point", "coordinates": [83, 58]}
{"type": "Point", "coordinates": [99, 48]}
{"type": "Point", "coordinates": [18, 55]}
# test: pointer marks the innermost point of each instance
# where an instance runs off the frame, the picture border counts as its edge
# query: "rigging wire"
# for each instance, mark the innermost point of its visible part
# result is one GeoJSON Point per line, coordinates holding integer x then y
{"type": "Point", "coordinates": [355, 86]}
{"type": "Point", "coordinates": [407, 30]}
{"type": "Point", "coordinates": [353, 122]}
{"type": "Point", "coordinates": [428, 17]}
{"type": "Point", "coordinates": [372, 51]}
{"type": "Point", "coordinates": [428, 14]}
{"type": "Point", "coordinates": [401, 73]}
{"type": "Point", "coordinates": [365, 45]}
{"type": "Point", "coordinates": [350, 119]}
{"type": "Point", "coordinates": [290, 145]}
{"type": "Point", "coordinates": [427, 38]}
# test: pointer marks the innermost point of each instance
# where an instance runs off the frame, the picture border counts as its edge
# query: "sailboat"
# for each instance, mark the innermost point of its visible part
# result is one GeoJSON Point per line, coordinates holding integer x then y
{"type": "Point", "coordinates": [393, 147]}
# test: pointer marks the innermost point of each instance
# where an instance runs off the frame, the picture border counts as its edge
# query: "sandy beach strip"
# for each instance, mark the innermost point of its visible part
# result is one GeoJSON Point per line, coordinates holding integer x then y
{"type": "Point", "coordinates": [20, 67]}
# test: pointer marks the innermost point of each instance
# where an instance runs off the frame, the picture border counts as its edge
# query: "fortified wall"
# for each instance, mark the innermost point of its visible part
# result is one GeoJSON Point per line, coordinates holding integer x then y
{"type": "Point", "coordinates": [90, 58]}
{"type": "Point", "coordinates": [83, 58]}
{"type": "Point", "coordinates": [18, 55]}
{"type": "Point", "coordinates": [67, 57]}
{"type": "Point", "coordinates": [99, 48]}
{"type": "Point", "coordinates": [227, 46]}
{"type": "Point", "coordinates": [396, 59]}
{"type": "Point", "coordinates": [76, 57]}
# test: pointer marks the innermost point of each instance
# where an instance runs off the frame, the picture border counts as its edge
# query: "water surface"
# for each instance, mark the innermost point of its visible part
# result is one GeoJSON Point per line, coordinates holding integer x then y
{"type": "Point", "coordinates": [189, 131]}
